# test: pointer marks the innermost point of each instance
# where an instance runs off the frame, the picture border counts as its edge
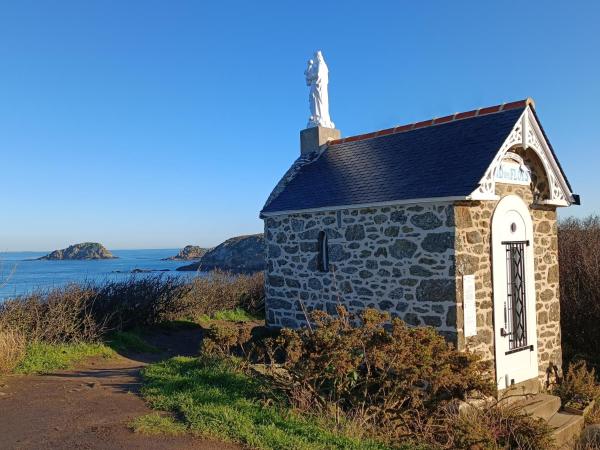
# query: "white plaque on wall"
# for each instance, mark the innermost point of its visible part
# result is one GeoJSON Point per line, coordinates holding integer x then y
{"type": "Point", "coordinates": [469, 307]}
{"type": "Point", "coordinates": [513, 172]}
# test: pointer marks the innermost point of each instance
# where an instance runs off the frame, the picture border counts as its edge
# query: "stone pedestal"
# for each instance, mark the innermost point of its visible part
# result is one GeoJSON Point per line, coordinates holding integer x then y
{"type": "Point", "coordinates": [311, 139]}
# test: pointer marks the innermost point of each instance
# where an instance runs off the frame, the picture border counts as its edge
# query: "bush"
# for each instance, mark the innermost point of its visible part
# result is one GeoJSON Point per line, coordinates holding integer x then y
{"type": "Point", "coordinates": [57, 316]}
{"type": "Point", "coordinates": [150, 301]}
{"type": "Point", "coordinates": [12, 349]}
{"type": "Point", "coordinates": [386, 375]}
{"type": "Point", "coordinates": [579, 387]}
{"type": "Point", "coordinates": [139, 302]}
{"type": "Point", "coordinates": [498, 426]}
{"type": "Point", "coordinates": [204, 296]}
{"type": "Point", "coordinates": [579, 262]}
{"type": "Point", "coordinates": [222, 338]}
{"type": "Point", "coordinates": [85, 313]}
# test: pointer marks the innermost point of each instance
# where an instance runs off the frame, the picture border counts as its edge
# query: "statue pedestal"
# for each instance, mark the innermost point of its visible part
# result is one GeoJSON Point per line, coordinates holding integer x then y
{"type": "Point", "coordinates": [311, 139]}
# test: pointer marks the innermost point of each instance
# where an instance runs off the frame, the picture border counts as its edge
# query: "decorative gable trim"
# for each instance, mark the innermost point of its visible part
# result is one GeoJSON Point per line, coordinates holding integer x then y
{"type": "Point", "coordinates": [527, 133]}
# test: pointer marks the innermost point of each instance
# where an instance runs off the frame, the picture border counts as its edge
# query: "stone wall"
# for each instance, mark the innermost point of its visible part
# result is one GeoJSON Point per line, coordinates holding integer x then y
{"type": "Point", "coordinates": [398, 259]}
{"type": "Point", "coordinates": [473, 256]}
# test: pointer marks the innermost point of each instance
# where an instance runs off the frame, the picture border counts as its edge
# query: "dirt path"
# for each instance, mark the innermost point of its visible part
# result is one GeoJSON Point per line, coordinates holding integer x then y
{"type": "Point", "coordinates": [89, 408]}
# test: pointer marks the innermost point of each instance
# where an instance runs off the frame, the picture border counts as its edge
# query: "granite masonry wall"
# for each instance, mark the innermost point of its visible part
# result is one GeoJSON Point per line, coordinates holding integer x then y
{"type": "Point", "coordinates": [398, 259]}
{"type": "Point", "coordinates": [473, 256]}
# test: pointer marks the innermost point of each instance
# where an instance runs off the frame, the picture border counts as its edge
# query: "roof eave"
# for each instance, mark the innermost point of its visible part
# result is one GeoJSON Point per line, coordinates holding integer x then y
{"type": "Point", "coordinates": [412, 201]}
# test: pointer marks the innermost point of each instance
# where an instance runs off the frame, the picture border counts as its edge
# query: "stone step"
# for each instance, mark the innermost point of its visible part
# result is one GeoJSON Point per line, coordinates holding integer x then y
{"type": "Point", "coordinates": [566, 428]}
{"type": "Point", "coordinates": [543, 406]}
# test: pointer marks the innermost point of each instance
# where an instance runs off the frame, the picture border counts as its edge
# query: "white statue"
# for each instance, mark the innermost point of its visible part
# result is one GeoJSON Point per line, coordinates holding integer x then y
{"type": "Point", "coordinates": [317, 77]}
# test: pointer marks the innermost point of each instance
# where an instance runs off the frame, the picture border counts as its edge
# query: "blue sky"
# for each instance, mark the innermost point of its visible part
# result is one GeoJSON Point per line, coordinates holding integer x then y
{"type": "Point", "coordinates": [150, 124]}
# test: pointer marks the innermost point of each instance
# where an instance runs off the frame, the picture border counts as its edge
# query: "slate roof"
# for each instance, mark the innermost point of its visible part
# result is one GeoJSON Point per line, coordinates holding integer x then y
{"type": "Point", "coordinates": [443, 157]}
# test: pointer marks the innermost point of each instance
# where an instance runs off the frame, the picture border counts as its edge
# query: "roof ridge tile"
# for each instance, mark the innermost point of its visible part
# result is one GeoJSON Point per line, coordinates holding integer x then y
{"type": "Point", "coordinates": [437, 121]}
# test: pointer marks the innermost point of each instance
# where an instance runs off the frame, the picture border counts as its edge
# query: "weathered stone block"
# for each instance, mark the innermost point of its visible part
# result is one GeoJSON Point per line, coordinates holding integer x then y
{"type": "Point", "coordinates": [426, 221]}
{"type": "Point", "coordinates": [365, 274]}
{"type": "Point", "coordinates": [363, 291]}
{"type": "Point", "coordinates": [436, 291]}
{"type": "Point", "coordinates": [385, 305]}
{"type": "Point", "coordinates": [432, 321]}
{"type": "Point", "coordinates": [381, 251]}
{"type": "Point", "coordinates": [438, 242]}
{"type": "Point", "coordinates": [275, 281]}
{"type": "Point", "coordinates": [337, 253]}
{"type": "Point", "coordinates": [315, 283]}
{"type": "Point", "coordinates": [392, 231]}
{"type": "Point", "coordinates": [402, 248]}
{"type": "Point", "coordinates": [309, 247]}
{"type": "Point", "coordinates": [274, 251]}
{"type": "Point", "coordinates": [412, 319]}
{"type": "Point", "coordinates": [474, 237]}
{"type": "Point", "coordinates": [380, 218]}
{"type": "Point", "coordinates": [278, 303]}
{"type": "Point", "coordinates": [291, 249]}
{"type": "Point", "coordinates": [355, 233]}
{"type": "Point", "coordinates": [420, 271]}
{"type": "Point", "coordinates": [398, 217]}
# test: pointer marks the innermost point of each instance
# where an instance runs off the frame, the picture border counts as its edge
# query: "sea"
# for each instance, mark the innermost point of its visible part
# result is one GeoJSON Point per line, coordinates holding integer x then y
{"type": "Point", "coordinates": [21, 272]}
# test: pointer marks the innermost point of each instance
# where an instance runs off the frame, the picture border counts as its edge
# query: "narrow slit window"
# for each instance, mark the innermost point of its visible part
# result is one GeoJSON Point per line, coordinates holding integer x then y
{"type": "Point", "coordinates": [323, 252]}
{"type": "Point", "coordinates": [515, 312]}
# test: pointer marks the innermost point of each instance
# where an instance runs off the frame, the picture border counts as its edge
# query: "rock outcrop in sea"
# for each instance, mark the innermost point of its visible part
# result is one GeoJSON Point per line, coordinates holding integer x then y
{"type": "Point", "coordinates": [83, 251]}
{"type": "Point", "coordinates": [189, 253]}
{"type": "Point", "coordinates": [241, 254]}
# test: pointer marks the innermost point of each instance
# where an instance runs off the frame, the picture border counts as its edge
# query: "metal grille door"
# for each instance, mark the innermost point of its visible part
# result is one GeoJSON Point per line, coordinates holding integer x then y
{"type": "Point", "coordinates": [515, 311]}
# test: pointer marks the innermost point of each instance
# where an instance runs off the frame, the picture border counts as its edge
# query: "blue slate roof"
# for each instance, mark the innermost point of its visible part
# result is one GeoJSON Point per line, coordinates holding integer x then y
{"type": "Point", "coordinates": [444, 160]}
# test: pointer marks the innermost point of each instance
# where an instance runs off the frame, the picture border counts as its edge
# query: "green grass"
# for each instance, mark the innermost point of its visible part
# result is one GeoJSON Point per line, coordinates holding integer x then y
{"type": "Point", "coordinates": [156, 423]}
{"type": "Point", "coordinates": [213, 398]}
{"type": "Point", "coordinates": [231, 315]}
{"type": "Point", "coordinates": [127, 341]}
{"type": "Point", "coordinates": [44, 358]}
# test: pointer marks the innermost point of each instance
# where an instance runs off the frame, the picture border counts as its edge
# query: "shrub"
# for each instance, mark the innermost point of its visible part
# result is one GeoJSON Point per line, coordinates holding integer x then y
{"type": "Point", "coordinates": [84, 313]}
{"type": "Point", "coordinates": [579, 387]}
{"type": "Point", "coordinates": [223, 337]}
{"type": "Point", "coordinates": [12, 349]}
{"type": "Point", "coordinates": [57, 316]}
{"type": "Point", "coordinates": [138, 302]}
{"type": "Point", "coordinates": [579, 262]}
{"type": "Point", "coordinates": [497, 426]}
{"type": "Point", "coordinates": [384, 374]}
{"type": "Point", "coordinates": [204, 296]}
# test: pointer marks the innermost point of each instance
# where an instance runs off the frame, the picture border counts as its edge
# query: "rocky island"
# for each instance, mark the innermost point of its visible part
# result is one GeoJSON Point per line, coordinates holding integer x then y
{"type": "Point", "coordinates": [83, 251]}
{"type": "Point", "coordinates": [241, 254]}
{"type": "Point", "coordinates": [189, 253]}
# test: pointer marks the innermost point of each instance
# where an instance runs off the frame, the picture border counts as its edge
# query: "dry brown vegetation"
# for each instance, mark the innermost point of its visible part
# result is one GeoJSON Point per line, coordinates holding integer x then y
{"type": "Point", "coordinates": [499, 426]}
{"type": "Point", "coordinates": [58, 316]}
{"type": "Point", "coordinates": [12, 349]}
{"type": "Point", "coordinates": [392, 382]}
{"type": "Point", "coordinates": [80, 314]}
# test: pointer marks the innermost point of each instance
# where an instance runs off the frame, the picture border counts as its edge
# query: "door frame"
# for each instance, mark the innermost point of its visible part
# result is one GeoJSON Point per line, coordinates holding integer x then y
{"type": "Point", "coordinates": [516, 366]}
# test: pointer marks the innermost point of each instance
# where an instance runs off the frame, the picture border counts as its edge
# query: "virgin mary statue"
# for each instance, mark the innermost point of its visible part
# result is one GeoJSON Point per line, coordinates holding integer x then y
{"type": "Point", "coordinates": [317, 77]}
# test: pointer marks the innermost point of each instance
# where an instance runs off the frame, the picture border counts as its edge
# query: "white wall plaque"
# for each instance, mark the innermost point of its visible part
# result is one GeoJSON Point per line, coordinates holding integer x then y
{"type": "Point", "coordinates": [513, 173]}
{"type": "Point", "coordinates": [469, 307]}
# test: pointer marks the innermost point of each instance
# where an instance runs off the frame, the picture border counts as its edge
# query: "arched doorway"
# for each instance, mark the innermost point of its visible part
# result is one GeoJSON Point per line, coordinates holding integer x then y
{"type": "Point", "coordinates": [514, 293]}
